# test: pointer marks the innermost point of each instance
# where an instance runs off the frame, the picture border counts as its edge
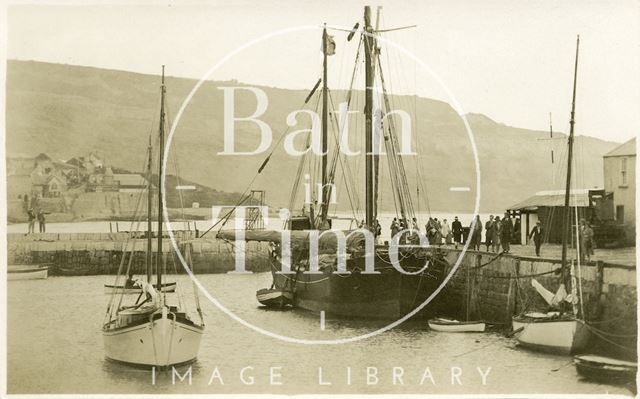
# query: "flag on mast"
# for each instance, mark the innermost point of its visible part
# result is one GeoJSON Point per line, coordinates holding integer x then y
{"type": "Point", "coordinates": [330, 45]}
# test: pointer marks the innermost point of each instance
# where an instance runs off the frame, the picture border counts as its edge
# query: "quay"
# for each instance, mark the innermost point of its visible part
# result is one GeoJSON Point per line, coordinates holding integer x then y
{"type": "Point", "coordinates": [494, 287]}
{"type": "Point", "coordinates": [486, 286]}
{"type": "Point", "coordinates": [81, 254]}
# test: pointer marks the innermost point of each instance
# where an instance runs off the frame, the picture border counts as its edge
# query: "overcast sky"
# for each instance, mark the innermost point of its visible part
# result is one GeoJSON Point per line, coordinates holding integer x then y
{"type": "Point", "coordinates": [512, 61]}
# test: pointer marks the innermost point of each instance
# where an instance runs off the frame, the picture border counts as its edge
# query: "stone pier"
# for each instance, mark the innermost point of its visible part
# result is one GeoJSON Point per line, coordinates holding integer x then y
{"type": "Point", "coordinates": [495, 288]}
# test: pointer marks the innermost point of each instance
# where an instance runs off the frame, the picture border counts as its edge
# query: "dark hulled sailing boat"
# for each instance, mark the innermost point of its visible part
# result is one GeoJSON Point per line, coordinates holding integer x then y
{"type": "Point", "coordinates": [389, 293]}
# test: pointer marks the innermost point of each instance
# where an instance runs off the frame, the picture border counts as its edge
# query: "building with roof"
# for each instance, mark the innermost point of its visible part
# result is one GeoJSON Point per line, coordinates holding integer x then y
{"type": "Point", "coordinates": [548, 208]}
{"type": "Point", "coordinates": [620, 180]}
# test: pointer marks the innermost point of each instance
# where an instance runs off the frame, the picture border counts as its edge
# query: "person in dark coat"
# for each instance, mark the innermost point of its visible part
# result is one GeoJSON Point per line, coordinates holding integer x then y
{"type": "Point", "coordinates": [32, 220]}
{"type": "Point", "coordinates": [506, 233]}
{"type": "Point", "coordinates": [41, 221]}
{"type": "Point", "coordinates": [536, 234]}
{"type": "Point", "coordinates": [487, 232]}
{"type": "Point", "coordinates": [456, 228]}
{"type": "Point", "coordinates": [395, 228]}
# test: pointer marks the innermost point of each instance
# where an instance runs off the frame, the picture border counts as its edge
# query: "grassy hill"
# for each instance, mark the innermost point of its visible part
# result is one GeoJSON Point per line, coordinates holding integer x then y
{"type": "Point", "coordinates": [66, 110]}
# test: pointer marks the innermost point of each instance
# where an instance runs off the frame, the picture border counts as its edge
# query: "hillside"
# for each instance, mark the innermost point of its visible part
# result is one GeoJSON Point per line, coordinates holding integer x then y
{"type": "Point", "coordinates": [65, 110]}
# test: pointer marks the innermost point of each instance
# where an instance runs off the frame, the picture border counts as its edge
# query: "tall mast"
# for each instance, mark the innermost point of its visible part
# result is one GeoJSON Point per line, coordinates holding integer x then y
{"type": "Point", "coordinates": [324, 206]}
{"type": "Point", "coordinates": [149, 260]}
{"type": "Point", "coordinates": [567, 212]}
{"type": "Point", "coordinates": [159, 257]}
{"type": "Point", "coordinates": [369, 50]}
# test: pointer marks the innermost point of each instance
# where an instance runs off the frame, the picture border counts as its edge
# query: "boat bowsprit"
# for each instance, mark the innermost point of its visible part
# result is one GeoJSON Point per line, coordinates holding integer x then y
{"type": "Point", "coordinates": [127, 289]}
{"type": "Point", "coordinates": [272, 297]}
{"type": "Point", "coordinates": [27, 272]}
{"type": "Point", "coordinates": [450, 325]}
{"type": "Point", "coordinates": [605, 369]}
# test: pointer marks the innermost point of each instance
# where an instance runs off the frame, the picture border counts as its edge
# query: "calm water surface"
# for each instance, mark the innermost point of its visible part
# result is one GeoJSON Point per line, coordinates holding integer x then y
{"type": "Point", "coordinates": [55, 346]}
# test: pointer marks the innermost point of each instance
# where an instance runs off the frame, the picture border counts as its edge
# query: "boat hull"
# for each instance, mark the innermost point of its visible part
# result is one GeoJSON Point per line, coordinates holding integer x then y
{"type": "Point", "coordinates": [274, 297]}
{"type": "Point", "coordinates": [27, 273]}
{"type": "Point", "coordinates": [387, 295]}
{"type": "Point", "coordinates": [446, 325]}
{"type": "Point", "coordinates": [161, 342]}
{"type": "Point", "coordinates": [607, 370]}
{"type": "Point", "coordinates": [119, 289]}
{"type": "Point", "coordinates": [559, 336]}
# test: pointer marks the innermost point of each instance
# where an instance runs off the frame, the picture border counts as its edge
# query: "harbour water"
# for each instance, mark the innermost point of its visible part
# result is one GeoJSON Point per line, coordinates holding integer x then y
{"type": "Point", "coordinates": [55, 346]}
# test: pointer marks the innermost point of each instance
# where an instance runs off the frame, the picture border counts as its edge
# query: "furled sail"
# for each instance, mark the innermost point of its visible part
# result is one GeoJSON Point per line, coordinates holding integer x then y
{"type": "Point", "coordinates": [327, 241]}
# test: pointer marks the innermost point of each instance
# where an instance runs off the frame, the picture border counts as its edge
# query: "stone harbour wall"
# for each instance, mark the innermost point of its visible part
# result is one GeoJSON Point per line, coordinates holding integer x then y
{"type": "Point", "coordinates": [101, 253]}
{"type": "Point", "coordinates": [495, 288]}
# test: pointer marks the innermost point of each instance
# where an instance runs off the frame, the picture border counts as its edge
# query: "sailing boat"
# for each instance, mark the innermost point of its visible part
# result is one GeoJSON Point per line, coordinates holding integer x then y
{"type": "Point", "coordinates": [390, 293]}
{"type": "Point", "coordinates": [151, 332]}
{"type": "Point", "coordinates": [558, 332]}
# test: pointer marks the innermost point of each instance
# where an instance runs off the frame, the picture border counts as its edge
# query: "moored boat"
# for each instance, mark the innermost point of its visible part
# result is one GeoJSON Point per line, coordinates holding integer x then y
{"type": "Point", "coordinates": [450, 325]}
{"type": "Point", "coordinates": [561, 332]}
{"type": "Point", "coordinates": [406, 270]}
{"type": "Point", "coordinates": [272, 297]}
{"type": "Point", "coordinates": [550, 332]}
{"type": "Point", "coordinates": [151, 331]}
{"type": "Point", "coordinates": [27, 272]}
{"type": "Point", "coordinates": [606, 369]}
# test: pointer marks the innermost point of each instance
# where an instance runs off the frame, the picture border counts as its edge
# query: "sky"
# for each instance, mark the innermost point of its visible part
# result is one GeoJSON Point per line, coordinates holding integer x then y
{"type": "Point", "coordinates": [510, 60]}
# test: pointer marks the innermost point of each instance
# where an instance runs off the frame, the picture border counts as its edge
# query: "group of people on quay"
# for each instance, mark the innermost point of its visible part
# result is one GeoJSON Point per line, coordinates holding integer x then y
{"type": "Point", "coordinates": [499, 234]}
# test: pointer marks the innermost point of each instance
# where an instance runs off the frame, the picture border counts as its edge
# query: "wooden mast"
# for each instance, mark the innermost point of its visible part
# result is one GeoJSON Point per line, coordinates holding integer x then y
{"type": "Point", "coordinates": [567, 213]}
{"type": "Point", "coordinates": [369, 50]}
{"type": "Point", "coordinates": [149, 259]}
{"type": "Point", "coordinates": [324, 206]}
{"type": "Point", "coordinates": [159, 257]}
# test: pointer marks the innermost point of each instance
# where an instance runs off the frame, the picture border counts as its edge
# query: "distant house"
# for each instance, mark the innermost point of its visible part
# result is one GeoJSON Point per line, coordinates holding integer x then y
{"type": "Point", "coordinates": [47, 186]}
{"type": "Point", "coordinates": [620, 180]}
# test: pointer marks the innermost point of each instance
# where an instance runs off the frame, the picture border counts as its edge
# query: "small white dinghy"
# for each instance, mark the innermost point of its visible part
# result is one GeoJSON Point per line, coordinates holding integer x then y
{"type": "Point", "coordinates": [27, 272]}
{"type": "Point", "coordinates": [451, 325]}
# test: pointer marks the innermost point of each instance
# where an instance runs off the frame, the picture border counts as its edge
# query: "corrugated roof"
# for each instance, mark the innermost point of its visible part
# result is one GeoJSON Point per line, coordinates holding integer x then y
{"type": "Point", "coordinates": [537, 201]}
{"type": "Point", "coordinates": [628, 148]}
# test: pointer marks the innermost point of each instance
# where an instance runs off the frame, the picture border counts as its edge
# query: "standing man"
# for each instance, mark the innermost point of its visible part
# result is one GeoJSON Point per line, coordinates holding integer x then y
{"type": "Point", "coordinates": [394, 228]}
{"type": "Point", "coordinates": [446, 232]}
{"type": "Point", "coordinates": [487, 232]}
{"type": "Point", "coordinates": [536, 234]}
{"type": "Point", "coordinates": [586, 240]}
{"type": "Point", "coordinates": [476, 240]}
{"type": "Point", "coordinates": [32, 220]}
{"type": "Point", "coordinates": [456, 226]}
{"type": "Point", "coordinates": [496, 230]}
{"type": "Point", "coordinates": [506, 233]}
{"type": "Point", "coordinates": [41, 220]}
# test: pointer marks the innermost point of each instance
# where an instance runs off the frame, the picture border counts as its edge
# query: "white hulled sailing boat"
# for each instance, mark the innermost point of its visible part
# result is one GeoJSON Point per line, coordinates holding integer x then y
{"type": "Point", "coordinates": [558, 332]}
{"type": "Point", "coordinates": [151, 332]}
